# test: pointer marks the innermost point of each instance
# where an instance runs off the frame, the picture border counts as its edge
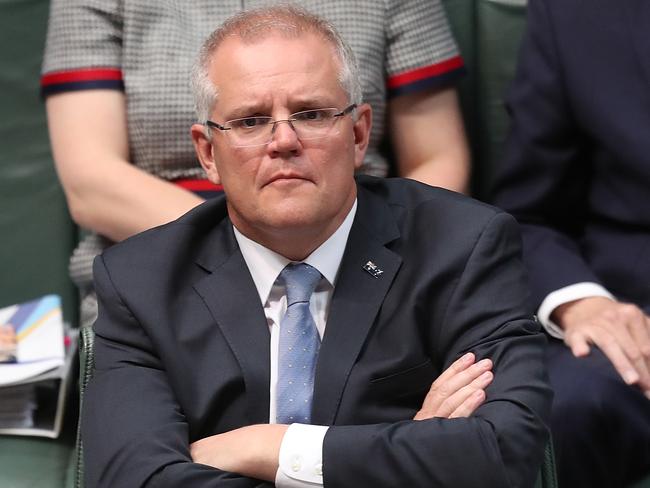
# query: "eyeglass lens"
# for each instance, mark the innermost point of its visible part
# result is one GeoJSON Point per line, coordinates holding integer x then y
{"type": "Point", "coordinates": [308, 124]}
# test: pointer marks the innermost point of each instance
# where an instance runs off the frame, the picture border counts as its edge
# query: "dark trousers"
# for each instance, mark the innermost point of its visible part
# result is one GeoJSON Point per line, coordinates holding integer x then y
{"type": "Point", "coordinates": [600, 425]}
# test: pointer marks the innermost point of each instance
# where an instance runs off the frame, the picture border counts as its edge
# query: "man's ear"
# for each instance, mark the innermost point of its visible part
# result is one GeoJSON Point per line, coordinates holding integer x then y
{"type": "Point", "coordinates": [361, 128]}
{"type": "Point", "coordinates": [205, 152]}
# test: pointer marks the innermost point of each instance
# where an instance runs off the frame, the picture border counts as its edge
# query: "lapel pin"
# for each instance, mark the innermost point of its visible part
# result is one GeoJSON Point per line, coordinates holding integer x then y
{"type": "Point", "coordinates": [374, 270]}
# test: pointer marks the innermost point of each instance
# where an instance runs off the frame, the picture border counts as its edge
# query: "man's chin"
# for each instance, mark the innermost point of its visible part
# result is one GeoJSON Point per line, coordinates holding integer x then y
{"type": "Point", "coordinates": [293, 218]}
{"type": "Point", "coordinates": [290, 197]}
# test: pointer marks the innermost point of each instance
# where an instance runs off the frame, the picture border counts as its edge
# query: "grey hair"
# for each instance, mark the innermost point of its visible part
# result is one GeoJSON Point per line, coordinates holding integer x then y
{"type": "Point", "coordinates": [252, 25]}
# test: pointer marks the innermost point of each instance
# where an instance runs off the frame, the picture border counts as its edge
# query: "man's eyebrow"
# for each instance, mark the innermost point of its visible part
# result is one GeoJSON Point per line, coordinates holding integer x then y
{"type": "Point", "coordinates": [315, 101]}
{"type": "Point", "coordinates": [297, 103]}
{"type": "Point", "coordinates": [246, 110]}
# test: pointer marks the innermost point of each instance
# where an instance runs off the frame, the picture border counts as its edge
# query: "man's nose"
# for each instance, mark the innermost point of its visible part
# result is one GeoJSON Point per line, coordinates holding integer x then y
{"type": "Point", "coordinates": [284, 137]}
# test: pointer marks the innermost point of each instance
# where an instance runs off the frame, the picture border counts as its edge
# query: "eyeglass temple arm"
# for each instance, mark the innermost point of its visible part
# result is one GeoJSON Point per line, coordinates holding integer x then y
{"type": "Point", "coordinates": [346, 110]}
{"type": "Point", "coordinates": [214, 125]}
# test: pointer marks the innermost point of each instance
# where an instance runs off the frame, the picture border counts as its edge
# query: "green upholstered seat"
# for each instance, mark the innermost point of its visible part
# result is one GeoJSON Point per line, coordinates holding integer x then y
{"type": "Point", "coordinates": [36, 232]}
{"type": "Point", "coordinates": [547, 477]}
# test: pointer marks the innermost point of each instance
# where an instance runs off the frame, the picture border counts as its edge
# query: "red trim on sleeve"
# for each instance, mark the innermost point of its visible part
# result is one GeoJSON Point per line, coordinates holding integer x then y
{"type": "Point", "coordinates": [90, 74]}
{"type": "Point", "coordinates": [426, 72]}
{"type": "Point", "coordinates": [197, 185]}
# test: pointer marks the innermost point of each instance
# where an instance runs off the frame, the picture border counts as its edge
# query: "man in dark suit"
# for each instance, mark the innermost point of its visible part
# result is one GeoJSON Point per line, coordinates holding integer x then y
{"type": "Point", "coordinates": [577, 177]}
{"type": "Point", "coordinates": [413, 284]}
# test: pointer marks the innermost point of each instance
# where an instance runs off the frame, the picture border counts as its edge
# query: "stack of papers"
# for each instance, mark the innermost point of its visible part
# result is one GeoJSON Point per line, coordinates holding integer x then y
{"type": "Point", "coordinates": [32, 367]}
{"type": "Point", "coordinates": [17, 407]}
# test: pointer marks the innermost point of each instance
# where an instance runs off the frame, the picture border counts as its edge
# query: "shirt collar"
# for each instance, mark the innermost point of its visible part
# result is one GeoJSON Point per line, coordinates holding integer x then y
{"type": "Point", "coordinates": [265, 265]}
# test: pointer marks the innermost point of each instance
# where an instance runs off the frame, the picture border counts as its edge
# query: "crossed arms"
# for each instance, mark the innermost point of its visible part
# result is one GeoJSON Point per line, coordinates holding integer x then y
{"type": "Point", "coordinates": [166, 381]}
{"type": "Point", "coordinates": [254, 450]}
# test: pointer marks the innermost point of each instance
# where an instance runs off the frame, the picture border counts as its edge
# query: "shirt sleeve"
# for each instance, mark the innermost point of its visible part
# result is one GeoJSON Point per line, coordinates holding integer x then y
{"type": "Point", "coordinates": [83, 47]}
{"type": "Point", "coordinates": [421, 51]}
{"type": "Point", "coordinates": [301, 457]}
{"type": "Point", "coordinates": [565, 295]}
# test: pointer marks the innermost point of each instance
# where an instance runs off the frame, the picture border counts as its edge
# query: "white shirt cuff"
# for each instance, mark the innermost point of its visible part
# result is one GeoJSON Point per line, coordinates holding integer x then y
{"type": "Point", "coordinates": [566, 295]}
{"type": "Point", "coordinates": [301, 457]}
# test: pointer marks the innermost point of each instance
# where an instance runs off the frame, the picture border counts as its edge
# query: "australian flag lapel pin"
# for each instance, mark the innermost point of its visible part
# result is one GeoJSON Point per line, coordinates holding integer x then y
{"type": "Point", "coordinates": [374, 270]}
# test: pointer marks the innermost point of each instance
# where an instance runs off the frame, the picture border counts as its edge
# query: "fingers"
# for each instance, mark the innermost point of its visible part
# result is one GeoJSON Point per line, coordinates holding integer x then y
{"type": "Point", "coordinates": [601, 335]}
{"type": "Point", "coordinates": [618, 350]}
{"type": "Point", "coordinates": [639, 328]}
{"type": "Point", "coordinates": [451, 393]}
{"type": "Point", "coordinates": [578, 344]}
{"type": "Point", "coordinates": [467, 399]}
{"type": "Point", "coordinates": [458, 366]}
{"type": "Point", "coordinates": [468, 407]}
{"type": "Point", "coordinates": [621, 331]}
{"type": "Point", "coordinates": [632, 352]}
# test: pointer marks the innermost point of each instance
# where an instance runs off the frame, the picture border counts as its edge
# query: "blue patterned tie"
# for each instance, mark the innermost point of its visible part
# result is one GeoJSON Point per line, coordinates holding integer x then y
{"type": "Point", "coordinates": [299, 345]}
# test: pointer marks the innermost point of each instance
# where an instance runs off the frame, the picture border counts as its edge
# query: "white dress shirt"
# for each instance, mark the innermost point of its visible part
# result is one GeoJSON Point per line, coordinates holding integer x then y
{"type": "Point", "coordinates": [301, 451]}
{"type": "Point", "coordinates": [566, 295]}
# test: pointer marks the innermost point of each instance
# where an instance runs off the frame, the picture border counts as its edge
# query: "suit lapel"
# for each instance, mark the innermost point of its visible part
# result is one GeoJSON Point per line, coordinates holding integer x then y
{"type": "Point", "coordinates": [230, 295]}
{"type": "Point", "coordinates": [357, 298]}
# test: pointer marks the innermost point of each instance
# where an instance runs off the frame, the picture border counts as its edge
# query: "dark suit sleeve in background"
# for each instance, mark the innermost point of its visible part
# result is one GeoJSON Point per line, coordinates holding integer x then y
{"type": "Point", "coordinates": [501, 444]}
{"type": "Point", "coordinates": [134, 432]}
{"type": "Point", "coordinates": [545, 176]}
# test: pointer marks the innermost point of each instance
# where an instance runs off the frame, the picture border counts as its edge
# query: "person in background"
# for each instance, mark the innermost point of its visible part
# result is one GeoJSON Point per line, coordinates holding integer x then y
{"type": "Point", "coordinates": [577, 178]}
{"type": "Point", "coordinates": [309, 328]}
{"type": "Point", "coordinates": [118, 73]}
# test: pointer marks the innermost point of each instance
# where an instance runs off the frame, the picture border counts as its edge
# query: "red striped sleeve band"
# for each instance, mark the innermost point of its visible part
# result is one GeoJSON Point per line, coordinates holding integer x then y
{"type": "Point", "coordinates": [81, 79]}
{"type": "Point", "coordinates": [203, 188]}
{"type": "Point", "coordinates": [433, 76]}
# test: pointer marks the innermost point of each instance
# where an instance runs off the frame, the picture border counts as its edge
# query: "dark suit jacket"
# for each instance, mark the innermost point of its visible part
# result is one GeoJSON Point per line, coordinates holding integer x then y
{"type": "Point", "coordinates": [577, 170]}
{"type": "Point", "coordinates": [182, 349]}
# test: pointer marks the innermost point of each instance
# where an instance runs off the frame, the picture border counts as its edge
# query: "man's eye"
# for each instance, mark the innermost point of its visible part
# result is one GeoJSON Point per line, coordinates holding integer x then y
{"type": "Point", "coordinates": [311, 115]}
{"type": "Point", "coordinates": [249, 122]}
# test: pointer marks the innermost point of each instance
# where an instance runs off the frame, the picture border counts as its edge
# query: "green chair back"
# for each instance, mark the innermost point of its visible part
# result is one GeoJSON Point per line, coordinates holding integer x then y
{"type": "Point", "coordinates": [37, 233]}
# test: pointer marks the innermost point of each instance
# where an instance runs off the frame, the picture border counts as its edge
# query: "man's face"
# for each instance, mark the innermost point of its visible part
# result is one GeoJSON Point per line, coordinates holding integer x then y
{"type": "Point", "coordinates": [291, 186]}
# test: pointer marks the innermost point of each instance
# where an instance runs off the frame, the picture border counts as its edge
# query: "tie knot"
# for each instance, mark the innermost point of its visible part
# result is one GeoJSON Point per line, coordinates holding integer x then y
{"type": "Point", "coordinates": [300, 280]}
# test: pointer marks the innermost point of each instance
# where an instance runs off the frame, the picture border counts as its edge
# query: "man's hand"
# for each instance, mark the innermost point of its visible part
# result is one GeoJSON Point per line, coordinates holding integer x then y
{"type": "Point", "coordinates": [620, 330]}
{"type": "Point", "coordinates": [251, 451]}
{"type": "Point", "coordinates": [459, 390]}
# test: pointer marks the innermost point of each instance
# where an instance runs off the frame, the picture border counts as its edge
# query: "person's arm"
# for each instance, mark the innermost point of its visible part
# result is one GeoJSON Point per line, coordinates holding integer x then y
{"type": "Point", "coordinates": [429, 138]}
{"type": "Point", "coordinates": [255, 450]}
{"type": "Point", "coordinates": [543, 181]}
{"type": "Point", "coordinates": [423, 65]}
{"type": "Point", "coordinates": [502, 442]}
{"type": "Point", "coordinates": [106, 193]}
{"type": "Point", "coordinates": [135, 434]}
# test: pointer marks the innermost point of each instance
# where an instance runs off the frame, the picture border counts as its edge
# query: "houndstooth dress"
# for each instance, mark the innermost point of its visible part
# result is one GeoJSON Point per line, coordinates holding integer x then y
{"type": "Point", "coordinates": [147, 48]}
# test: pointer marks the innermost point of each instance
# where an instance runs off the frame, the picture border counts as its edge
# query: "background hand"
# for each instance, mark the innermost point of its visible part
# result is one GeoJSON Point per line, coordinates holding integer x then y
{"type": "Point", "coordinates": [620, 330]}
{"type": "Point", "coordinates": [459, 390]}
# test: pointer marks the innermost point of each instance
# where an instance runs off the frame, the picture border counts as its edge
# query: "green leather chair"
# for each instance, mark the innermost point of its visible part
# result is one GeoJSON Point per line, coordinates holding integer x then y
{"type": "Point", "coordinates": [87, 363]}
{"type": "Point", "coordinates": [547, 477]}
{"type": "Point", "coordinates": [489, 33]}
{"type": "Point", "coordinates": [37, 234]}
